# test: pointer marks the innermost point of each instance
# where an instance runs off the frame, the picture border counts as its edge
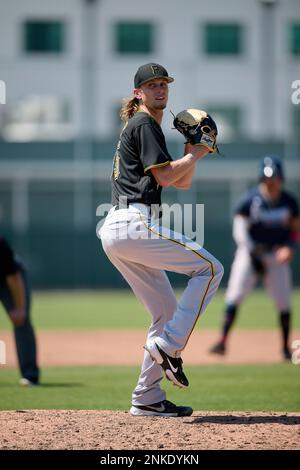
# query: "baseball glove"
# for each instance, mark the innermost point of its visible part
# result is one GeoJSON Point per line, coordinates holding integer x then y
{"type": "Point", "coordinates": [198, 128]}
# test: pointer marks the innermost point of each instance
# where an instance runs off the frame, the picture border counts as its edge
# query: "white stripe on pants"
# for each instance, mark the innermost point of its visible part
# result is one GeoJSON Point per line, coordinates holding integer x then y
{"type": "Point", "coordinates": [143, 261]}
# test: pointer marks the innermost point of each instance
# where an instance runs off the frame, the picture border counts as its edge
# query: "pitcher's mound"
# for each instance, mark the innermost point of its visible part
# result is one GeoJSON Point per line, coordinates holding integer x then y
{"type": "Point", "coordinates": [43, 429]}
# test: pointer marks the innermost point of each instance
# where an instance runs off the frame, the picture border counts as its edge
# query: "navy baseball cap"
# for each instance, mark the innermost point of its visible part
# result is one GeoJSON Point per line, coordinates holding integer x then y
{"type": "Point", "coordinates": [271, 166]}
{"type": "Point", "coordinates": [148, 72]}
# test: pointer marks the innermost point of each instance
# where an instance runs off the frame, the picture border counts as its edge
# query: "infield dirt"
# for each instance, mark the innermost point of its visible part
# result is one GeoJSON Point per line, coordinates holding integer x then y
{"type": "Point", "coordinates": [44, 429]}
{"type": "Point", "coordinates": [125, 347]}
{"type": "Point", "coordinates": [41, 429]}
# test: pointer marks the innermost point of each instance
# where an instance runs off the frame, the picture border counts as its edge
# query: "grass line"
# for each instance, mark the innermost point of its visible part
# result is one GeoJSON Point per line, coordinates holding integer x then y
{"type": "Point", "coordinates": [216, 388]}
{"type": "Point", "coordinates": [119, 309]}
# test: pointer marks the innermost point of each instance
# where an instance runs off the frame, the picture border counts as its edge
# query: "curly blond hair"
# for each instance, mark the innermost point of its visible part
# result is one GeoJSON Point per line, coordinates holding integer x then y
{"type": "Point", "coordinates": [129, 107]}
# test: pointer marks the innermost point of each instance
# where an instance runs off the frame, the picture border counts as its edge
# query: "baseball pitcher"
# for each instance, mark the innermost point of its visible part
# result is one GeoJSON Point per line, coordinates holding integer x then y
{"type": "Point", "coordinates": [142, 250]}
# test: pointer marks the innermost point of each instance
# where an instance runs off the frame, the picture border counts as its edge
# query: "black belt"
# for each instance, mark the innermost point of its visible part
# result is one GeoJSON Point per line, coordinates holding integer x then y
{"type": "Point", "coordinates": [262, 248]}
{"type": "Point", "coordinates": [117, 207]}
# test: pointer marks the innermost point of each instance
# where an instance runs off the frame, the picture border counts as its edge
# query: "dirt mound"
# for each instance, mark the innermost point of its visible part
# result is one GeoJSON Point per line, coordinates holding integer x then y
{"type": "Point", "coordinates": [43, 429]}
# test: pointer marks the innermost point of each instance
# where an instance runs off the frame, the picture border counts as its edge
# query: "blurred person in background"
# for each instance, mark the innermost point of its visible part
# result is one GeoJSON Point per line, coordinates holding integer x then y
{"type": "Point", "coordinates": [266, 231]}
{"type": "Point", "coordinates": [15, 296]}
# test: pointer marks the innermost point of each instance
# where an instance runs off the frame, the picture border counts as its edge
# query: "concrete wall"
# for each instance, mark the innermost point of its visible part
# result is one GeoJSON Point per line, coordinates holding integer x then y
{"type": "Point", "coordinates": [94, 78]}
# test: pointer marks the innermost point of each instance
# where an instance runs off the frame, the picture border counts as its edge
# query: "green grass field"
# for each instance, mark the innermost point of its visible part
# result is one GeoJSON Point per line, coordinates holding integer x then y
{"type": "Point", "coordinates": [220, 387]}
{"type": "Point", "coordinates": [87, 310]}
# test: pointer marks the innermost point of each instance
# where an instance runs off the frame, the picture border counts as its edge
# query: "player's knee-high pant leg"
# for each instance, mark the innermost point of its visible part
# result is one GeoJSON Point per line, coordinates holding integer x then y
{"type": "Point", "coordinates": [242, 278]}
{"type": "Point", "coordinates": [153, 289]}
{"type": "Point", "coordinates": [155, 247]}
{"type": "Point", "coordinates": [205, 273]}
{"type": "Point", "coordinates": [278, 282]}
{"type": "Point", "coordinates": [24, 334]}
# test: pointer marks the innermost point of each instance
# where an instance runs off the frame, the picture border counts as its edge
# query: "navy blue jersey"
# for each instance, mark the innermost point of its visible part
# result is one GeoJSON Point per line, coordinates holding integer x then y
{"type": "Point", "coordinates": [268, 221]}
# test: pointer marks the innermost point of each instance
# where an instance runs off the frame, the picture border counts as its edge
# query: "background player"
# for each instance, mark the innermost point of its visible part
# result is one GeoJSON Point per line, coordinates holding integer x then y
{"type": "Point", "coordinates": [265, 229]}
{"type": "Point", "coordinates": [15, 297]}
{"type": "Point", "coordinates": [142, 250]}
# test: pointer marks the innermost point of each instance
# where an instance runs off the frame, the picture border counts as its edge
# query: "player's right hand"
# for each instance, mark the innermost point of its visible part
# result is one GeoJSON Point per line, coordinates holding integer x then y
{"type": "Point", "coordinates": [284, 254]}
{"type": "Point", "coordinates": [199, 151]}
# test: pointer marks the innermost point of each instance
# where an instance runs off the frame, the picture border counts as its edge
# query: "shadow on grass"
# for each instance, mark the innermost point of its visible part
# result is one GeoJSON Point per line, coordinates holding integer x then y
{"type": "Point", "coordinates": [43, 385]}
{"type": "Point", "coordinates": [231, 419]}
{"type": "Point", "coordinates": [59, 385]}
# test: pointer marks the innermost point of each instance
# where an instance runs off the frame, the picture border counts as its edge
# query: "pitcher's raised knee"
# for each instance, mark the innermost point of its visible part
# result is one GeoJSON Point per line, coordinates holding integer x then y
{"type": "Point", "coordinates": [210, 268]}
{"type": "Point", "coordinates": [218, 270]}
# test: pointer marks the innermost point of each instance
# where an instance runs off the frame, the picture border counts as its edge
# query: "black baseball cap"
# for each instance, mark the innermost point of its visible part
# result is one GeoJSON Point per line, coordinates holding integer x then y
{"type": "Point", "coordinates": [148, 72]}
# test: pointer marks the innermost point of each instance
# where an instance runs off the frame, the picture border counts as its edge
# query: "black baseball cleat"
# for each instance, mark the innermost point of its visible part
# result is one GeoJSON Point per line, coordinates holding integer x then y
{"type": "Point", "coordinates": [172, 366]}
{"type": "Point", "coordinates": [163, 408]}
{"type": "Point", "coordinates": [286, 354]}
{"type": "Point", "coordinates": [218, 348]}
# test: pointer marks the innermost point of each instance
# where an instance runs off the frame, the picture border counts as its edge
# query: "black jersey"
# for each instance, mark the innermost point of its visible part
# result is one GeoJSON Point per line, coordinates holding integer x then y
{"type": "Point", "coordinates": [141, 147]}
{"type": "Point", "coordinates": [268, 220]}
{"type": "Point", "coordinates": [8, 263]}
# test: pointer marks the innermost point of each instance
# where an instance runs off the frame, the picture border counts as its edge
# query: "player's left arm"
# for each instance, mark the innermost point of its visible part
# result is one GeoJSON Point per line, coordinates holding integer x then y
{"type": "Point", "coordinates": [285, 253]}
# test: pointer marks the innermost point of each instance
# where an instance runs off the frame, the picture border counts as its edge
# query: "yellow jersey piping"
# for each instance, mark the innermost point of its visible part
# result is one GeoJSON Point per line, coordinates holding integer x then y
{"type": "Point", "coordinates": [156, 166]}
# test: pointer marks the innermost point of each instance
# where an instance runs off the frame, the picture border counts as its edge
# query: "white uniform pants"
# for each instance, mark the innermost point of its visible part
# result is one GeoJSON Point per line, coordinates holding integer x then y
{"type": "Point", "coordinates": [142, 252]}
{"type": "Point", "coordinates": [243, 279]}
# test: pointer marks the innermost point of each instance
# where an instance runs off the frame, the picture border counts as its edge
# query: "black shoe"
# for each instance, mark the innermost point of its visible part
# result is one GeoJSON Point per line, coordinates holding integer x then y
{"type": "Point", "coordinates": [172, 366]}
{"type": "Point", "coordinates": [163, 408]}
{"type": "Point", "coordinates": [286, 354]}
{"type": "Point", "coordinates": [218, 348]}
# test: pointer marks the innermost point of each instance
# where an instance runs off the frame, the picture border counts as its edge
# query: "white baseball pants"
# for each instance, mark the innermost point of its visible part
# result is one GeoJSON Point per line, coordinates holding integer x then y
{"type": "Point", "coordinates": [142, 252]}
{"type": "Point", "coordinates": [243, 279]}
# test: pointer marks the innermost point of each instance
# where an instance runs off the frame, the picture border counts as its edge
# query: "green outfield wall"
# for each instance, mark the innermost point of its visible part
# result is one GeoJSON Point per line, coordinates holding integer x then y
{"type": "Point", "coordinates": [49, 193]}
